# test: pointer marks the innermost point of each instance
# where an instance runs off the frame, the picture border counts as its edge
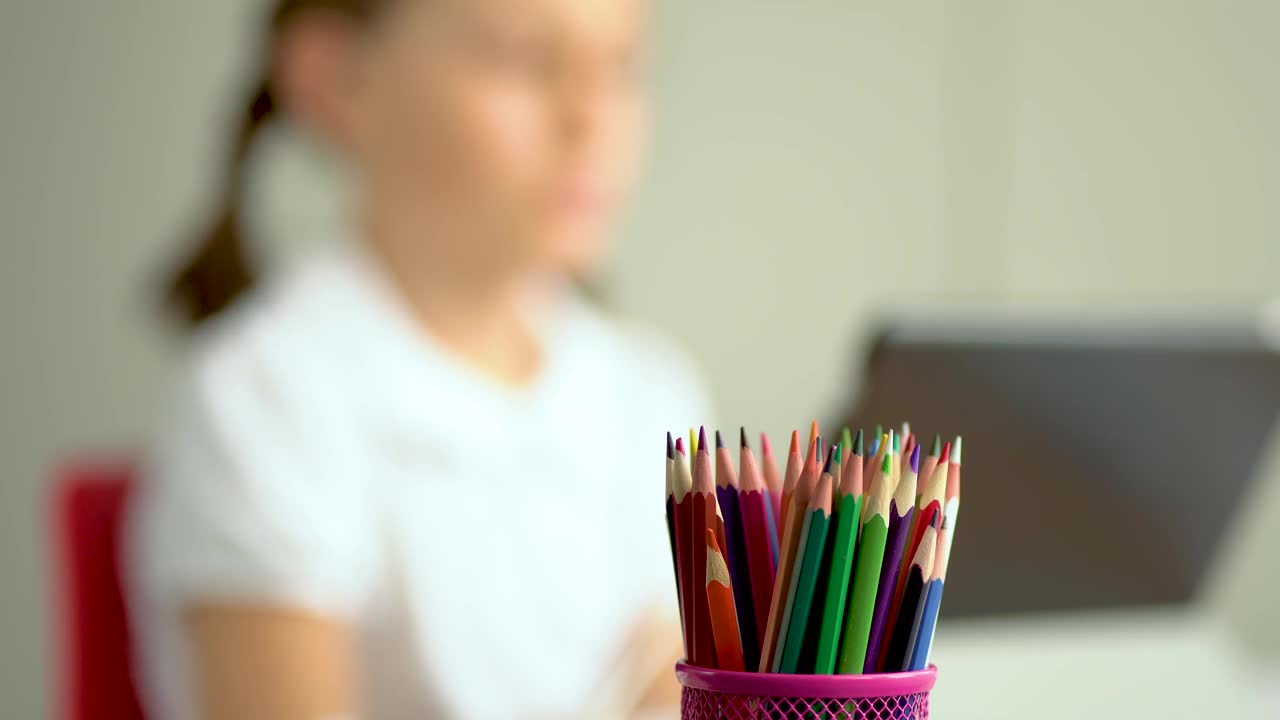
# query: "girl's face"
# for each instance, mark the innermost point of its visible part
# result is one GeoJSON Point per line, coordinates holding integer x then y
{"type": "Point", "coordinates": [513, 125]}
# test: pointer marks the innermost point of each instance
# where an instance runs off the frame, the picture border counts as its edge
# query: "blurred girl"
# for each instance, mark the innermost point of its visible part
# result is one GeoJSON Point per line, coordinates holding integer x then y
{"type": "Point", "coordinates": [417, 476]}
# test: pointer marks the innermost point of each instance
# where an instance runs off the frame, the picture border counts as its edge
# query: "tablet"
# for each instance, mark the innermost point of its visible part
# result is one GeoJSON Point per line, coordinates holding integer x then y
{"type": "Point", "coordinates": [1104, 460]}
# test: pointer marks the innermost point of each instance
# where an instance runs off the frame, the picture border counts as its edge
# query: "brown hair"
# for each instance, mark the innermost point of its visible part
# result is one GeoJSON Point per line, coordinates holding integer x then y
{"type": "Point", "coordinates": [219, 271]}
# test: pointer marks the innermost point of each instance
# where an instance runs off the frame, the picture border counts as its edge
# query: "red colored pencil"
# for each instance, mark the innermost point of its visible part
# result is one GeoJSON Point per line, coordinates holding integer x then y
{"type": "Point", "coordinates": [682, 486]}
{"type": "Point", "coordinates": [759, 552]}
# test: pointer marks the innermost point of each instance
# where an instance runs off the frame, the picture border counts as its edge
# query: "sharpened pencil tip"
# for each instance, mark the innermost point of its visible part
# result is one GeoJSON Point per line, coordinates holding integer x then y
{"type": "Point", "coordinates": [719, 440]}
{"type": "Point", "coordinates": [955, 450]}
{"type": "Point", "coordinates": [795, 442]}
{"type": "Point", "coordinates": [887, 465]}
{"type": "Point", "coordinates": [765, 447]}
{"type": "Point", "coordinates": [831, 453]}
{"type": "Point", "coordinates": [680, 445]}
{"type": "Point", "coordinates": [915, 459]}
{"type": "Point", "coordinates": [846, 439]}
{"type": "Point", "coordinates": [671, 447]}
{"type": "Point", "coordinates": [936, 448]}
{"type": "Point", "coordinates": [857, 443]}
{"type": "Point", "coordinates": [839, 452]}
{"type": "Point", "coordinates": [742, 437]}
{"type": "Point", "coordinates": [946, 454]}
{"type": "Point", "coordinates": [813, 429]}
{"type": "Point", "coordinates": [702, 440]}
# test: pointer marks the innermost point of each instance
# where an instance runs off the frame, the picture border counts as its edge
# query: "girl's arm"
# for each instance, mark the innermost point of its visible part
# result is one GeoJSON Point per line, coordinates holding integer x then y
{"type": "Point", "coordinates": [259, 662]}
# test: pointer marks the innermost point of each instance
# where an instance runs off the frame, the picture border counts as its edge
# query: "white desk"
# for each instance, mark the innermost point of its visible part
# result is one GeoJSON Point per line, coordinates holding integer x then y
{"type": "Point", "coordinates": [1141, 664]}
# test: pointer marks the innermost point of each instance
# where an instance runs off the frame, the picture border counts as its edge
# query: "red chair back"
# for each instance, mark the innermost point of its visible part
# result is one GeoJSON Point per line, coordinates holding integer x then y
{"type": "Point", "coordinates": [95, 673]}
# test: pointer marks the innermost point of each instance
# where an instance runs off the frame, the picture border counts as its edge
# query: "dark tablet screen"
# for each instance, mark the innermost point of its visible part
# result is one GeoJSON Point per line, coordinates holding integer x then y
{"type": "Point", "coordinates": [1101, 466]}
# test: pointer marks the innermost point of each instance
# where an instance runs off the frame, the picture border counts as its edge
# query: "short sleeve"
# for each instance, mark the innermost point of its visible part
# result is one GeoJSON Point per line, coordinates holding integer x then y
{"type": "Point", "coordinates": [248, 496]}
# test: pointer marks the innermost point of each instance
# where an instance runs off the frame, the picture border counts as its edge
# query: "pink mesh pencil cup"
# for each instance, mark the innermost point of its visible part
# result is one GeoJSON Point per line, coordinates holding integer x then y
{"type": "Point", "coordinates": [724, 695]}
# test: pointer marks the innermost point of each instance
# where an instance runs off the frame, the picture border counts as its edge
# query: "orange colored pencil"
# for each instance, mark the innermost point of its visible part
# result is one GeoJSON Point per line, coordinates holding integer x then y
{"type": "Point", "coordinates": [795, 464]}
{"type": "Point", "coordinates": [723, 613]}
{"type": "Point", "coordinates": [787, 561]}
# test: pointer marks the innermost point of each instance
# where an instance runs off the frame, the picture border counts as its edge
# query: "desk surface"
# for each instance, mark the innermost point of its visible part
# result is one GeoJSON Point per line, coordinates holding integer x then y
{"type": "Point", "coordinates": [1134, 664]}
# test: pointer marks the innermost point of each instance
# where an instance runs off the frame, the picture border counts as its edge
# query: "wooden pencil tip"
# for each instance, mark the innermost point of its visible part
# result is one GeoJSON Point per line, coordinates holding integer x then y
{"type": "Point", "coordinates": [813, 429]}
{"type": "Point", "coordinates": [857, 443]}
{"type": "Point", "coordinates": [946, 454]}
{"type": "Point", "coordinates": [742, 438]}
{"type": "Point", "coordinates": [680, 445]}
{"type": "Point", "coordinates": [795, 442]}
{"type": "Point", "coordinates": [915, 459]}
{"type": "Point", "coordinates": [702, 440]}
{"type": "Point", "coordinates": [936, 449]}
{"type": "Point", "coordinates": [765, 447]}
{"type": "Point", "coordinates": [831, 453]}
{"type": "Point", "coordinates": [955, 450]}
{"type": "Point", "coordinates": [719, 440]}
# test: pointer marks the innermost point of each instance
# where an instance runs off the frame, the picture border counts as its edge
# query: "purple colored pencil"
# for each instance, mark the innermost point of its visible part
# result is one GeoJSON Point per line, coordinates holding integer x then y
{"type": "Point", "coordinates": [902, 510]}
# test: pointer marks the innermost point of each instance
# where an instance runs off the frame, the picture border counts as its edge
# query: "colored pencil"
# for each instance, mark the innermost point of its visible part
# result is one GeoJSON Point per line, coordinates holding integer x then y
{"type": "Point", "coordinates": [907, 624]}
{"type": "Point", "coordinates": [930, 461]}
{"type": "Point", "coordinates": [866, 575]}
{"type": "Point", "coordinates": [846, 519]}
{"type": "Point", "coordinates": [809, 557]}
{"type": "Point", "coordinates": [895, 447]}
{"type": "Point", "coordinates": [929, 499]}
{"type": "Point", "coordinates": [883, 444]}
{"type": "Point", "coordinates": [723, 614]}
{"type": "Point", "coordinates": [795, 465]}
{"type": "Point", "coordinates": [794, 505]}
{"type": "Point", "coordinates": [951, 510]}
{"type": "Point", "coordinates": [671, 522]}
{"type": "Point", "coordinates": [682, 493]}
{"type": "Point", "coordinates": [902, 509]}
{"type": "Point", "coordinates": [755, 507]}
{"type": "Point", "coordinates": [727, 492]}
{"type": "Point", "coordinates": [704, 520]}
{"type": "Point", "coordinates": [922, 644]}
{"type": "Point", "coordinates": [773, 491]}
{"type": "Point", "coordinates": [841, 570]}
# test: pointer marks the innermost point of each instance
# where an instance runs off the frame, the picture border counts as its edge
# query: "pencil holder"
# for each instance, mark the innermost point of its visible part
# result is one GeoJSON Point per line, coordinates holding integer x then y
{"type": "Point", "coordinates": [723, 695]}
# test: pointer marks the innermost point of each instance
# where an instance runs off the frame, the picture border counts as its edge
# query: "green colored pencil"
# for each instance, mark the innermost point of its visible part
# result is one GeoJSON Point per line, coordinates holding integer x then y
{"type": "Point", "coordinates": [811, 549]}
{"type": "Point", "coordinates": [866, 575]}
{"type": "Point", "coordinates": [848, 515]}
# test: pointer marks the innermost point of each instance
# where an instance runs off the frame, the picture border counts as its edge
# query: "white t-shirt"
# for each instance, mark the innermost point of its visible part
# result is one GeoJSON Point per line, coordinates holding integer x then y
{"type": "Point", "coordinates": [490, 545]}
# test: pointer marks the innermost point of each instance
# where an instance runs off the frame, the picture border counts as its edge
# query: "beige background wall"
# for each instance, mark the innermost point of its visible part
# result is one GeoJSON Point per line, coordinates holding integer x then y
{"type": "Point", "coordinates": [814, 160]}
